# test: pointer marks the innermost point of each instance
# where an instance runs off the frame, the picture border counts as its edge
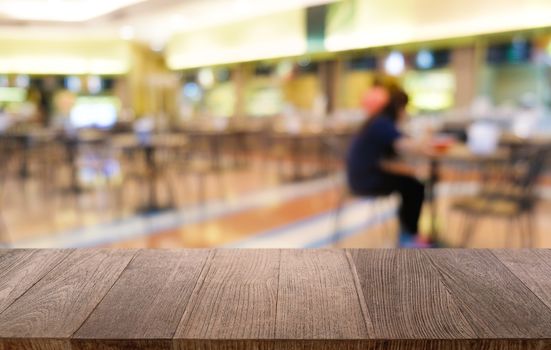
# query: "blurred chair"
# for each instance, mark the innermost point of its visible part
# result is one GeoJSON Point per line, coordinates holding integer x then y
{"type": "Point", "coordinates": [512, 197]}
{"type": "Point", "coordinates": [336, 147]}
{"type": "Point", "coordinates": [377, 205]}
{"type": "Point", "coordinates": [193, 163]}
{"type": "Point", "coordinates": [148, 167]}
{"type": "Point", "coordinates": [6, 156]}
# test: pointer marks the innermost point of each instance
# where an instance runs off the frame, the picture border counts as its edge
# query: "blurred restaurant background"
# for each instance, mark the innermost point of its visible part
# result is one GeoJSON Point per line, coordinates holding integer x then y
{"type": "Point", "coordinates": [225, 123]}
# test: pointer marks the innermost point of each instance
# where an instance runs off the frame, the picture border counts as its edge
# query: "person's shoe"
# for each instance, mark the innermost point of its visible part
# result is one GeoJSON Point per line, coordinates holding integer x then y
{"type": "Point", "coordinates": [413, 241]}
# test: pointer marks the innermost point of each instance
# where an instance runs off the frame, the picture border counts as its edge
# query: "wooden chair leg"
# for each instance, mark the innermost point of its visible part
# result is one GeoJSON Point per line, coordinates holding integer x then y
{"type": "Point", "coordinates": [336, 224]}
{"type": "Point", "coordinates": [510, 232]}
{"type": "Point", "coordinates": [379, 205]}
{"type": "Point", "coordinates": [221, 184]}
{"type": "Point", "coordinates": [460, 226]}
{"type": "Point", "coordinates": [468, 231]}
{"type": "Point", "coordinates": [530, 232]}
{"type": "Point", "coordinates": [202, 195]}
{"type": "Point", "coordinates": [516, 228]}
{"type": "Point", "coordinates": [4, 233]}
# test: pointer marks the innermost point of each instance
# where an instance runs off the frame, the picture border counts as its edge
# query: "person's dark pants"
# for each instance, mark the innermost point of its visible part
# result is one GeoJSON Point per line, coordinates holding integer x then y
{"type": "Point", "coordinates": [412, 193]}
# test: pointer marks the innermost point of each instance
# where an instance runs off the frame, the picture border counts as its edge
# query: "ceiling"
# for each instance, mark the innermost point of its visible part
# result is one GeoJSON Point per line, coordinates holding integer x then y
{"type": "Point", "coordinates": [60, 10]}
{"type": "Point", "coordinates": [150, 21]}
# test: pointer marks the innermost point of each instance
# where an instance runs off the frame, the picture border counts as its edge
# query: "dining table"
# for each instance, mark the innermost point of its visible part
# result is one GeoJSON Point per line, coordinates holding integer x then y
{"type": "Point", "coordinates": [296, 145]}
{"type": "Point", "coordinates": [456, 153]}
{"type": "Point", "coordinates": [26, 141]}
{"type": "Point", "coordinates": [288, 299]}
{"type": "Point", "coordinates": [149, 145]}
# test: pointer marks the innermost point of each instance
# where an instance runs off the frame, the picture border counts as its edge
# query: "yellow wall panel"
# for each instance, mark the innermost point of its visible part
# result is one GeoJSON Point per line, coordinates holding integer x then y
{"type": "Point", "coordinates": [301, 91]}
{"type": "Point", "coordinates": [355, 85]}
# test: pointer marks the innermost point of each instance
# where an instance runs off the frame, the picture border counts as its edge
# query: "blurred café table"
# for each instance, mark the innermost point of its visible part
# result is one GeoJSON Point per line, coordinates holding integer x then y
{"type": "Point", "coordinates": [517, 143]}
{"type": "Point", "coordinates": [73, 143]}
{"type": "Point", "coordinates": [449, 151]}
{"type": "Point", "coordinates": [223, 142]}
{"type": "Point", "coordinates": [149, 145]}
{"type": "Point", "coordinates": [214, 140]}
{"type": "Point", "coordinates": [297, 145]}
{"type": "Point", "coordinates": [25, 141]}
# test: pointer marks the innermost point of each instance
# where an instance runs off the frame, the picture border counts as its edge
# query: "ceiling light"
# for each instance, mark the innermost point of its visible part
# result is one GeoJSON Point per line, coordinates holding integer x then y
{"type": "Point", "coordinates": [395, 63]}
{"type": "Point", "coordinates": [22, 81]}
{"type": "Point", "coordinates": [424, 59]}
{"type": "Point", "coordinates": [206, 77]}
{"type": "Point", "coordinates": [94, 84]}
{"type": "Point", "coordinates": [73, 84]}
{"type": "Point", "coordinates": [127, 32]}
{"type": "Point", "coordinates": [305, 62]}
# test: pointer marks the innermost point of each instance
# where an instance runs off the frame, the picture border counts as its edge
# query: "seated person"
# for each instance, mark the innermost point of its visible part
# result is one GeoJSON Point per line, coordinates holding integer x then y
{"type": "Point", "coordinates": [373, 163]}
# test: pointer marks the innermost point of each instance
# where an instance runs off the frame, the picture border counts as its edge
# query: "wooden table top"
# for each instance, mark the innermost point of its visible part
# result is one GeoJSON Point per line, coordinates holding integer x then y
{"type": "Point", "coordinates": [168, 140]}
{"type": "Point", "coordinates": [275, 299]}
{"type": "Point", "coordinates": [461, 152]}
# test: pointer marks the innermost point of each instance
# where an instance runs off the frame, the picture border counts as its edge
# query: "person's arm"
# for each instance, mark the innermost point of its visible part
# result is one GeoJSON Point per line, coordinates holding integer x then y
{"type": "Point", "coordinates": [397, 167]}
{"type": "Point", "coordinates": [404, 145]}
{"type": "Point", "coordinates": [407, 145]}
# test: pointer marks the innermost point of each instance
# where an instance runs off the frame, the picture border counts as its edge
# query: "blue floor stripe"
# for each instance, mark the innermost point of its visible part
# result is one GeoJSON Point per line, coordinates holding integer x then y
{"type": "Point", "coordinates": [327, 237]}
{"type": "Point", "coordinates": [284, 229]}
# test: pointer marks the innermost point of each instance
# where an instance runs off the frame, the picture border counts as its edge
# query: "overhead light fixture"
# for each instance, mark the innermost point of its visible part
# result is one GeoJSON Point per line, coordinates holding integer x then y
{"type": "Point", "coordinates": [284, 69]}
{"type": "Point", "coordinates": [192, 91]}
{"type": "Point", "coordinates": [127, 32]}
{"type": "Point", "coordinates": [305, 62]}
{"type": "Point", "coordinates": [395, 63]}
{"type": "Point", "coordinates": [424, 59]}
{"type": "Point", "coordinates": [94, 84]}
{"type": "Point", "coordinates": [22, 81]}
{"type": "Point", "coordinates": [206, 77]}
{"type": "Point", "coordinates": [73, 84]}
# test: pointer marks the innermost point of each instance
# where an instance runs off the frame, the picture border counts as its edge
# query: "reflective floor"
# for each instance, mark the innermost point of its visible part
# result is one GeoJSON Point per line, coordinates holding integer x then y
{"type": "Point", "coordinates": [241, 207]}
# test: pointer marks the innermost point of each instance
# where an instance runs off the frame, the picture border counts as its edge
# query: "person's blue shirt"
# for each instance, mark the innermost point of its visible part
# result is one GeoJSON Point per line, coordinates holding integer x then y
{"type": "Point", "coordinates": [373, 143]}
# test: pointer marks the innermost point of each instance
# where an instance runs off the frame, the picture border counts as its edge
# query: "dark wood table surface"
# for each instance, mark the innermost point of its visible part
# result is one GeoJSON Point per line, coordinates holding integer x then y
{"type": "Point", "coordinates": [275, 299]}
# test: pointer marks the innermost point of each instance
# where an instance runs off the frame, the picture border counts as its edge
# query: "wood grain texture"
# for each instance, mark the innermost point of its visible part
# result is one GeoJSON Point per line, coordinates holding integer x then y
{"type": "Point", "coordinates": [55, 307]}
{"type": "Point", "coordinates": [317, 297]}
{"type": "Point", "coordinates": [22, 268]}
{"type": "Point", "coordinates": [236, 299]}
{"type": "Point", "coordinates": [532, 267]}
{"type": "Point", "coordinates": [279, 344]}
{"type": "Point", "coordinates": [120, 344]}
{"type": "Point", "coordinates": [275, 299]}
{"type": "Point", "coordinates": [405, 297]}
{"type": "Point", "coordinates": [379, 344]}
{"type": "Point", "coordinates": [455, 344]}
{"type": "Point", "coordinates": [33, 344]}
{"type": "Point", "coordinates": [146, 303]}
{"type": "Point", "coordinates": [494, 301]}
